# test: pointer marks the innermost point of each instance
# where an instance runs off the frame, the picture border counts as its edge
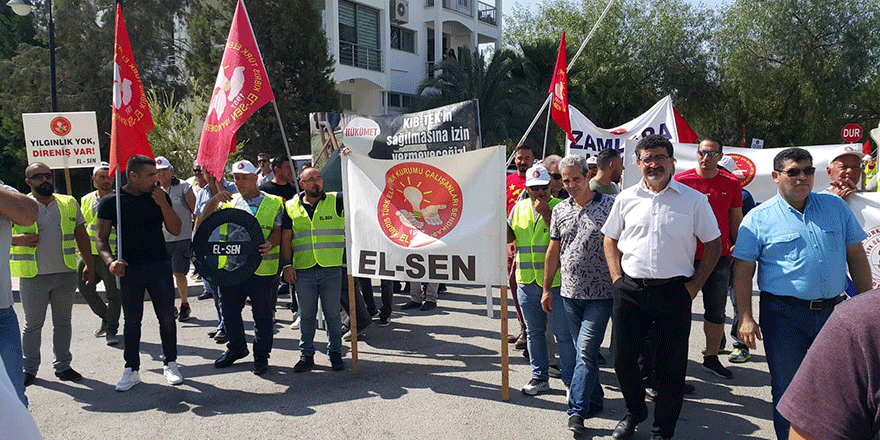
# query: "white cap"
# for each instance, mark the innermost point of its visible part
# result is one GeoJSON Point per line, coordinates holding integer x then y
{"type": "Point", "coordinates": [244, 167]}
{"type": "Point", "coordinates": [592, 160]}
{"type": "Point", "coordinates": [99, 167]}
{"type": "Point", "coordinates": [162, 163]}
{"type": "Point", "coordinates": [848, 149]}
{"type": "Point", "coordinates": [537, 175]}
{"type": "Point", "coordinates": [728, 163]}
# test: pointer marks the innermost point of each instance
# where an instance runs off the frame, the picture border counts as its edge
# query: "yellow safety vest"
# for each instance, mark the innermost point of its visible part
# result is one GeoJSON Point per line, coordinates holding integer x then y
{"type": "Point", "coordinates": [265, 215]}
{"type": "Point", "coordinates": [23, 259]}
{"type": "Point", "coordinates": [90, 214]}
{"type": "Point", "coordinates": [320, 239]}
{"type": "Point", "coordinates": [532, 238]}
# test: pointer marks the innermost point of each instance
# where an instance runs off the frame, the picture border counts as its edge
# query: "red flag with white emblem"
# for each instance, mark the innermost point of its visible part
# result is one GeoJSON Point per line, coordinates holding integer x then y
{"type": "Point", "coordinates": [242, 87]}
{"type": "Point", "coordinates": [559, 89]}
{"type": "Point", "coordinates": [131, 113]}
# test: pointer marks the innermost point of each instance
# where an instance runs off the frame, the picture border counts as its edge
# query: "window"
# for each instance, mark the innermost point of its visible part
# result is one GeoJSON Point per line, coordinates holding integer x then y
{"type": "Point", "coordinates": [399, 100]}
{"type": "Point", "coordinates": [403, 39]}
{"type": "Point", "coordinates": [359, 36]}
{"type": "Point", "coordinates": [345, 102]}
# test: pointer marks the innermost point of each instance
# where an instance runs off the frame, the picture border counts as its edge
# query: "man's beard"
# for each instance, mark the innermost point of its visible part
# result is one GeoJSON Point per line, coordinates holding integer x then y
{"type": "Point", "coordinates": [315, 194]}
{"type": "Point", "coordinates": [44, 189]}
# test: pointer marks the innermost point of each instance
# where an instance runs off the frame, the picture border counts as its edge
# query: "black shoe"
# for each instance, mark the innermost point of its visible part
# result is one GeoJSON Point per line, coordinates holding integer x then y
{"type": "Point", "coordinates": [594, 411]}
{"type": "Point", "coordinates": [229, 357]}
{"type": "Point", "coordinates": [261, 365]}
{"type": "Point", "coordinates": [185, 312]}
{"type": "Point", "coordinates": [713, 365]}
{"type": "Point", "coordinates": [206, 295]}
{"type": "Point", "coordinates": [373, 312]}
{"type": "Point", "coordinates": [689, 389]}
{"type": "Point", "coordinates": [651, 394]}
{"type": "Point", "coordinates": [175, 313]}
{"type": "Point", "coordinates": [554, 372]}
{"type": "Point", "coordinates": [576, 424]}
{"type": "Point", "coordinates": [29, 379]}
{"type": "Point", "coordinates": [428, 305]}
{"type": "Point", "coordinates": [69, 374]}
{"type": "Point", "coordinates": [411, 305]}
{"type": "Point", "coordinates": [305, 364]}
{"type": "Point", "coordinates": [601, 360]}
{"type": "Point", "coordinates": [336, 361]}
{"type": "Point", "coordinates": [383, 322]}
{"type": "Point", "coordinates": [627, 427]}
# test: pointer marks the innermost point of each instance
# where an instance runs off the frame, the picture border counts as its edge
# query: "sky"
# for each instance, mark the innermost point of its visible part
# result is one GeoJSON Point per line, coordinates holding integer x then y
{"type": "Point", "coordinates": [507, 5]}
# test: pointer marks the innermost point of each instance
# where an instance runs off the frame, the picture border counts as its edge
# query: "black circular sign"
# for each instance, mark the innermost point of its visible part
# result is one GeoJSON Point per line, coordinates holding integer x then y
{"type": "Point", "coordinates": [207, 248]}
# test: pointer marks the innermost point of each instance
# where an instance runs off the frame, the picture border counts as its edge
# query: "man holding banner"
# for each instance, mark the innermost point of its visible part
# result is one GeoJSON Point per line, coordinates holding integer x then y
{"type": "Point", "coordinates": [312, 247]}
{"type": "Point", "coordinates": [804, 243]}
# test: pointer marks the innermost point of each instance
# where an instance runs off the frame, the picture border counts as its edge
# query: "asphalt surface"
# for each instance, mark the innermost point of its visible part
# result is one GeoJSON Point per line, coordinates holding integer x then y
{"type": "Point", "coordinates": [428, 375]}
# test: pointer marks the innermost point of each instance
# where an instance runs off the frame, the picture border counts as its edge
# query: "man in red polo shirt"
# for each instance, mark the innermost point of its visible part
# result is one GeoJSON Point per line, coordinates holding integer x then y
{"type": "Point", "coordinates": [725, 197]}
{"type": "Point", "coordinates": [523, 158]}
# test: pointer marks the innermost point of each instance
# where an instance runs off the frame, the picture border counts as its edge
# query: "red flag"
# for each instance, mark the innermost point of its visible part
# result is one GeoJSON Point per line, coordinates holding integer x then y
{"type": "Point", "coordinates": [742, 143]}
{"type": "Point", "coordinates": [131, 113]}
{"type": "Point", "coordinates": [559, 89]}
{"type": "Point", "coordinates": [686, 134]}
{"type": "Point", "coordinates": [242, 87]}
{"type": "Point", "coordinates": [866, 149]}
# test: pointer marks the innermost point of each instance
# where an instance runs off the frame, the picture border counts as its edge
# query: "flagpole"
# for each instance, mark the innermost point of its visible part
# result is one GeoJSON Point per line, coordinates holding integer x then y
{"type": "Point", "coordinates": [546, 129]}
{"type": "Point", "coordinates": [571, 63]}
{"type": "Point", "coordinates": [118, 223]}
{"type": "Point", "coordinates": [283, 136]}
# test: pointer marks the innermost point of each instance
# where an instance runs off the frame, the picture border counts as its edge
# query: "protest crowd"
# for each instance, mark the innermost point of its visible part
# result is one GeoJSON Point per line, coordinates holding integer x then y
{"type": "Point", "coordinates": [582, 252]}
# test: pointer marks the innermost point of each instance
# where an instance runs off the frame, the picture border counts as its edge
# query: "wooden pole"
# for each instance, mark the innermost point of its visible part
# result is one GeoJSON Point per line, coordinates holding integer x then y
{"type": "Point", "coordinates": [505, 376]}
{"type": "Point", "coordinates": [67, 179]}
{"type": "Point", "coordinates": [352, 314]}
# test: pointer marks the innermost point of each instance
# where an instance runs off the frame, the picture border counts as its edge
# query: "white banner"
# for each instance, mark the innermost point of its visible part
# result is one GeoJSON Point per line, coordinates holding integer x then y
{"type": "Point", "coordinates": [62, 140]}
{"type": "Point", "coordinates": [660, 119]}
{"type": "Point", "coordinates": [756, 165]}
{"type": "Point", "coordinates": [438, 219]}
{"type": "Point", "coordinates": [866, 207]}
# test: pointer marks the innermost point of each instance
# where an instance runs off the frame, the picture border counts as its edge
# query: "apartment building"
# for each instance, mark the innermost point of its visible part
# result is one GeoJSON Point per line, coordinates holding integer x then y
{"type": "Point", "coordinates": [384, 48]}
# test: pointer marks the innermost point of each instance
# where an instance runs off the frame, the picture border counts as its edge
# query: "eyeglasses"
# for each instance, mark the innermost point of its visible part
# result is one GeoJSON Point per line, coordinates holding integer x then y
{"type": "Point", "coordinates": [794, 172]}
{"type": "Point", "coordinates": [709, 153]}
{"type": "Point", "coordinates": [197, 171]}
{"type": "Point", "coordinates": [556, 176]}
{"type": "Point", "coordinates": [312, 180]}
{"type": "Point", "coordinates": [653, 159]}
{"type": "Point", "coordinates": [41, 176]}
{"type": "Point", "coordinates": [262, 160]}
{"type": "Point", "coordinates": [539, 187]}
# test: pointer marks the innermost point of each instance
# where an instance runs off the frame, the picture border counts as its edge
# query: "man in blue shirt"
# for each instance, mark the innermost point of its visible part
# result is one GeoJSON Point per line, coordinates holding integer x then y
{"type": "Point", "coordinates": [802, 244]}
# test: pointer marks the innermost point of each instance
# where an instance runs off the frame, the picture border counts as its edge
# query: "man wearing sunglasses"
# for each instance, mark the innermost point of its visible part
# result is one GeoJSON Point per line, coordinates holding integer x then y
{"type": "Point", "coordinates": [804, 243]}
{"type": "Point", "coordinates": [528, 225]}
{"type": "Point", "coordinates": [265, 173]}
{"type": "Point", "coordinates": [725, 196]}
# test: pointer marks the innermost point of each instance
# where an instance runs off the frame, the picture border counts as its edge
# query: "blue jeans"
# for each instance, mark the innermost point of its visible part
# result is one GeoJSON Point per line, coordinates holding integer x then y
{"type": "Point", "coordinates": [536, 328]}
{"type": "Point", "coordinates": [10, 350]}
{"type": "Point", "coordinates": [215, 294]}
{"type": "Point", "coordinates": [311, 284]}
{"type": "Point", "coordinates": [587, 321]}
{"type": "Point", "coordinates": [788, 333]}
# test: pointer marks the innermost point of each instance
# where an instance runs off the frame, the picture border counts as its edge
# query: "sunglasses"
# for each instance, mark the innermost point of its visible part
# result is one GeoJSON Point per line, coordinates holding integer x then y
{"type": "Point", "coordinates": [709, 153]}
{"type": "Point", "coordinates": [794, 172]}
{"type": "Point", "coordinates": [262, 161]}
{"type": "Point", "coordinates": [41, 176]}
{"type": "Point", "coordinates": [539, 187]}
{"type": "Point", "coordinates": [197, 171]}
{"type": "Point", "coordinates": [556, 176]}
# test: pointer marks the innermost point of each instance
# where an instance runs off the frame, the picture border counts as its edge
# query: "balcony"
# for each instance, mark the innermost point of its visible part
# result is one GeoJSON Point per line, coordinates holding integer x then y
{"type": "Point", "coordinates": [486, 14]}
{"type": "Point", "coordinates": [351, 54]}
{"type": "Point", "coordinates": [461, 6]}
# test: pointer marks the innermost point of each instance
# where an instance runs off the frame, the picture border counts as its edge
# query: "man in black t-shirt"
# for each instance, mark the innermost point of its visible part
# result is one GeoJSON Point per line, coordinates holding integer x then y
{"type": "Point", "coordinates": [143, 263]}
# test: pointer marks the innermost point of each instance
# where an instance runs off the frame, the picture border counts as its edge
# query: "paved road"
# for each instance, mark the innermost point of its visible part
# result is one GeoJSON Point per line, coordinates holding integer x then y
{"type": "Point", "coordinates": [428, 375]}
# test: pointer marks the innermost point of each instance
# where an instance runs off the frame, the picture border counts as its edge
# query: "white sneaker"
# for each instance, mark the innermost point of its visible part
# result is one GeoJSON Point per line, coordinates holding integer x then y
{"type": "Point", "coordinates": [536, 386]}
{"type": "Point", "coordinates": [295, 324]}
{"type": "Point", "coordinates": [172, 373]}
{"type": "Point", "coordinates": [129, 379]}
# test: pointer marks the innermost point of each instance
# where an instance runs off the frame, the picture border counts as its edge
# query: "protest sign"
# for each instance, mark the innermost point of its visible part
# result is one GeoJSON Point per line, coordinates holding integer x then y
{"type": "Point", "coordinates": [438, 219]}
{"type": "Point", "coordinates": [62, 140]}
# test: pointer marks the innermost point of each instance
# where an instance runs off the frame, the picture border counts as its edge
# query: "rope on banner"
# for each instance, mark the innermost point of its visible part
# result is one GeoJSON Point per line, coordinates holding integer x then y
{"type": "Point", "coordinates": [570, 63]}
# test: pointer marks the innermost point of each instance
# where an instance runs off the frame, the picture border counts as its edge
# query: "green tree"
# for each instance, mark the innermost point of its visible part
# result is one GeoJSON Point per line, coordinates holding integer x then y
{"type": "Point", "coordinates": [794, 72]}
{"type": "Point", "coordinates": [505, 103]}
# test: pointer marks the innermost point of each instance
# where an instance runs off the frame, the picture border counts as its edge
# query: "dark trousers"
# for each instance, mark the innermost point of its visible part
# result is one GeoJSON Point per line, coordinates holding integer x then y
{"type": "Point", "coordinates": [365, 285]}
{"type": "Point", "coordinates": [364, 319]}
{"type": "Point", "coordinates": [261, 291]}
{"type": "Point", "coordinates": [387, 289]}
{"type": "Point", "coordinates": [636, 306]}
{"type": "Point", "coordinates": [285, 288]}
{"type": "Point", "coordinates": [155, 278]}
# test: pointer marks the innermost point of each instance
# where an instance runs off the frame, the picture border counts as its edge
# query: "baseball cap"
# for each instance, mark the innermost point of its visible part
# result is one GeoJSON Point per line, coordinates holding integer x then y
{"type": "Point", "coordinates": [162, 163]}
{"type": "Point", "coordinates": [537, 175]}
{"type": "Point", "coordinates": [244, 167]}
{"type": "Point", "coordinates": [847, 149]}
{"type": "Point", "coordinates": [99, 167]}
{"type": "Point", "coordinates": [592, 160]}
{"type": "Point", "coordinates": [728, 163]}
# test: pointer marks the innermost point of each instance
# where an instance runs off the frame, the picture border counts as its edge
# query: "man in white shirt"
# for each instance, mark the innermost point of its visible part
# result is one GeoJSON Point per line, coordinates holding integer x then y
{"type": "Point", "coordinates": [650, 239]}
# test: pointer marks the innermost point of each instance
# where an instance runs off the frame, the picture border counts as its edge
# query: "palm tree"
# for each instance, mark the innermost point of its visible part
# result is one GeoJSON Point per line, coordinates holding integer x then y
{"type": "Point", "coordinates": [503, 99]}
